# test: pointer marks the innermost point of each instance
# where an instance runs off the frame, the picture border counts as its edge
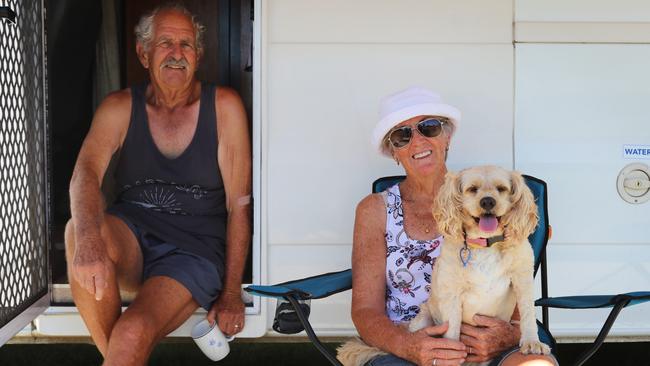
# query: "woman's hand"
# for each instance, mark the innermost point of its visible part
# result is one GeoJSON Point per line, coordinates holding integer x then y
{"type": "Point", "coordinates": [489, 338]}
{"type": "Point", "coordinates": [426, 348]}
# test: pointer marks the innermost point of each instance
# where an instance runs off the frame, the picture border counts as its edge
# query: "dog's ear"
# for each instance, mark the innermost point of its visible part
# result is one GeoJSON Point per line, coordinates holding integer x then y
{"type": "Point", "coordinates": [522, 218]}
{"type": "Point", "coordinates": [447, 208]}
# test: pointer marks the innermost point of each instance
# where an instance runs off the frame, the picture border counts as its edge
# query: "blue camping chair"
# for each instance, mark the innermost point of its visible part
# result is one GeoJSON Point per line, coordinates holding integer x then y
{"type": "Point", "coordinates": [293, 317]}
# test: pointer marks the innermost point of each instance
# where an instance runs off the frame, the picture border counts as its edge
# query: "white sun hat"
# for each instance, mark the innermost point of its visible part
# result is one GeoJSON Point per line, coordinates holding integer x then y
{"type": "Point", "coordinates": [409, 103]}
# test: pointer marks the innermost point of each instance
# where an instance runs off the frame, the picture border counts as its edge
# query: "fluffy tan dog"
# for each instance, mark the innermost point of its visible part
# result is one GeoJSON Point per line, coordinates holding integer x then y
{"type": "Point", "coordinates": [470, 277]}
{"type": "Point", "coordinates": [486, 214]}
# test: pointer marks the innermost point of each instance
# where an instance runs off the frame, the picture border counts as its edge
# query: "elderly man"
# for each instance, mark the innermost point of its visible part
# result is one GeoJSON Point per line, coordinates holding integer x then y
{"type": "Point", "coordinates": [180, 229]}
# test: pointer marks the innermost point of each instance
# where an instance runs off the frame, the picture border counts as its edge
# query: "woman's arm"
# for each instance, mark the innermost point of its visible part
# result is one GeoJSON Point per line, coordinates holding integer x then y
{"type": "Point", "coordinates": [369, 279]}
{"type": "Point", "coordinates": [369, 295]}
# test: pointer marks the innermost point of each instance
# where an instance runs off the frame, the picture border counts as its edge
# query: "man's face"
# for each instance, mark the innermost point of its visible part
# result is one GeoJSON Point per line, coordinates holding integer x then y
{"type": "Point", "coordinates": [172, 57]}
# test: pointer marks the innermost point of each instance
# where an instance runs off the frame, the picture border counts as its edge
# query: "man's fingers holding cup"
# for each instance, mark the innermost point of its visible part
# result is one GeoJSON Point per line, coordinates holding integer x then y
{"type": "Point", "coordinates": [226, 324]}
{"type": "Point", "coordinates": [234, 326]}
{"type": "Point", "coordinates": [230, 322]}
{"type": "Point", "coordinates": [212, 316]}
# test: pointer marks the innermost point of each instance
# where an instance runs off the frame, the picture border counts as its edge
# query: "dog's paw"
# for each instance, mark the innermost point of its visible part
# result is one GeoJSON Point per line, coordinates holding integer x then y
{"type": "Point", "coordinates": [422, 320]}
{"type": "Point", "coordinates": [534, 347]}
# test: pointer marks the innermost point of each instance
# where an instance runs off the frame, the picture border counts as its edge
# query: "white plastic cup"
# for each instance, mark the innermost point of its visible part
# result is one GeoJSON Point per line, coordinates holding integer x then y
{"type": "Point", "coordinates": [212, 342]}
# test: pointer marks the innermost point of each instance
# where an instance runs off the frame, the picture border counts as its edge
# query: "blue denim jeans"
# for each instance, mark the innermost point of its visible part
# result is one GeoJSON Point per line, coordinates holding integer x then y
{"type": "Point", "coordinates": [388, 360]}
{"type": "Point", "coordinates": [392, 360]}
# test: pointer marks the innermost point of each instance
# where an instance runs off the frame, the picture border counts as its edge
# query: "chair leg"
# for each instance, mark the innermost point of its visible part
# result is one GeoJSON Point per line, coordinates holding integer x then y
{"type": "Point", "coordinates": [603, 332]}
{"type": "Point", "coordinates": [544, 289]}
{"type": "Point", "coordinates": [310, 332]}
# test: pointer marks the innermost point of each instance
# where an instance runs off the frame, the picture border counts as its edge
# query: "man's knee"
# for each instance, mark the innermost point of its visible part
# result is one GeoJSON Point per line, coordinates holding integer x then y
{"type": "Point", "coordinates": [135, 329]}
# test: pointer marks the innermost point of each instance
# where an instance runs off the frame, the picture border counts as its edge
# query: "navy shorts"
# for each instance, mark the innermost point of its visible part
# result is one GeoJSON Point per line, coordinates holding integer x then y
{"type": "Point", "coordinates": [159, 258]}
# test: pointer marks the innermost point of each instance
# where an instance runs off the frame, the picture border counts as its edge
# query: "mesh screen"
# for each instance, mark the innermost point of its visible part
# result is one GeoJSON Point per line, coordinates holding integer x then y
{"type": "Point", "coordinates": [23, 244]}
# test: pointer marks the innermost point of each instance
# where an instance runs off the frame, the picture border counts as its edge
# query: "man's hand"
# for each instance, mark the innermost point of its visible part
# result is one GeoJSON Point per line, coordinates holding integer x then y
{"type": "Point", "coordinates": [489, 338]}
{"type": "Point", "coordinates": [228, 312]}
{"type": "Point", "coordinates": [90, 267]}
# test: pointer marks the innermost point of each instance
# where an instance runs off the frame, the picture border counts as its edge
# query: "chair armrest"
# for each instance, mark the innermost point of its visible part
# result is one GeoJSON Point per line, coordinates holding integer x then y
{"type": "Point", "coordinates": [593, 301]}
{"type": "Point", "coordinates": [315, 287]}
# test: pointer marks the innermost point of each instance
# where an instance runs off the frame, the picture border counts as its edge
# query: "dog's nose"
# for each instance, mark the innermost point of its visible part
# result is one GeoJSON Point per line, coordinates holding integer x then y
{"type": "Point", "coordinates": [488, 203]}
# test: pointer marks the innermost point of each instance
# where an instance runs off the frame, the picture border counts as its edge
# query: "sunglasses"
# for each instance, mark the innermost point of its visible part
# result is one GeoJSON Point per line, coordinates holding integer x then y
{"type": "Point", "coordinates": [401, 136]}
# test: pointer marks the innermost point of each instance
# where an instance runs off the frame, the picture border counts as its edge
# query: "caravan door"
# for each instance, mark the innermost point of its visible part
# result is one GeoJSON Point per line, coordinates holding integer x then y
{"type": "Point", "coordinates": [24, 290]}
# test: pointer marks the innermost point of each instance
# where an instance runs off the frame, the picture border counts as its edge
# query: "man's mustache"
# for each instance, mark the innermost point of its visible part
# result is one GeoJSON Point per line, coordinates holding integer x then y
{"type": "Point", "coordinates": [175, 63]}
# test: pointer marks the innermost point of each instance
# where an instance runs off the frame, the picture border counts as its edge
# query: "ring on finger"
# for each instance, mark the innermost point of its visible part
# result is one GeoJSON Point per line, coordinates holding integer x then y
{"type": "Point", "coordinates": [470, 350]}
{"type": "Point", "coordinates": [435, 362]}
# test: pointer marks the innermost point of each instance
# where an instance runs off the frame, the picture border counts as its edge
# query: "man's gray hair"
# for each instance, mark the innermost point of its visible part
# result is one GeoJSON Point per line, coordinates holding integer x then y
{"type": "Point", "coordinates": [144, 28]}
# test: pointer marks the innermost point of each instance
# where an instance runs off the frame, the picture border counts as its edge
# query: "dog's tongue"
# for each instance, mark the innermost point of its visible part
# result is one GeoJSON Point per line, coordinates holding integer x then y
{"type": "Point", "coordinates": [488, 224]}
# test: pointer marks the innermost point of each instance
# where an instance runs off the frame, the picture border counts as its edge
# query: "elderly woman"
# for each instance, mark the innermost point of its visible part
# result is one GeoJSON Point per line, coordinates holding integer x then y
{"type": "Point", "coordinates": [390, 279]}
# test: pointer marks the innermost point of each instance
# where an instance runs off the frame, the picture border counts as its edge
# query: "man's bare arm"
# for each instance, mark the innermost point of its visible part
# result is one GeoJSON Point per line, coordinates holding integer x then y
{"type": "Point", "coordinates": [106, 134]}
{"type": "Point", "coordinates": [234, 155]}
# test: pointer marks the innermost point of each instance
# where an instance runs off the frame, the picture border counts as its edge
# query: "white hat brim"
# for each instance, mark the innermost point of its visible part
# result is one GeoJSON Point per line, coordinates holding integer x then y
{"type": "Point", "coordinates": [401, 115]}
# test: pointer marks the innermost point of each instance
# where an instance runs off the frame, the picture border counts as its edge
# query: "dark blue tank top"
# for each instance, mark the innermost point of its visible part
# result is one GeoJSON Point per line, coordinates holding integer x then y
{"type": "Point", "coordinates": [180, 200]}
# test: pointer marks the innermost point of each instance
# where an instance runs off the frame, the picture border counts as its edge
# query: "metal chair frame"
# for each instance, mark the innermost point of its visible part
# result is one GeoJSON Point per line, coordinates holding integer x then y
{"type": "Point", "coordinates": [295, 291]}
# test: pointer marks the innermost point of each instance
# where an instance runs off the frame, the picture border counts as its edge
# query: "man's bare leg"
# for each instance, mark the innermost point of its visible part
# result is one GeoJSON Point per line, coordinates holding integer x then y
{"type": "Point", "coordinates": [180, 318]}
{"type": "Point", "coordinates": [162, 304]}
{"type": "Point", "coordinates": [125, 268]}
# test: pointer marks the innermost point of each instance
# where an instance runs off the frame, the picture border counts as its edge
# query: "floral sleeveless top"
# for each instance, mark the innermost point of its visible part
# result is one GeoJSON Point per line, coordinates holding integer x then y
{"type": "Point", "coordinates": [408, 263]}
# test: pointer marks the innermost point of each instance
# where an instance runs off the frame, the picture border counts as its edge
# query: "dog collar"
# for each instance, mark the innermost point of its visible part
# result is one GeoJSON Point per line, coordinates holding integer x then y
{"type": "Point", "coordinates": [483, 242]}
{"type": "Point", "coordinates": [465, 253]}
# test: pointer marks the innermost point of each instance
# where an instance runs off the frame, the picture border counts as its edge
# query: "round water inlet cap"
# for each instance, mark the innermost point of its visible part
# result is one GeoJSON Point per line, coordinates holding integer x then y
{"type": "Point", "coordinates": [633, 183]}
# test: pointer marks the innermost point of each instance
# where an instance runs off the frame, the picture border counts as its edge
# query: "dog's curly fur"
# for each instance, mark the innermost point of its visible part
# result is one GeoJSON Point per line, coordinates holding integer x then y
{"type": "Point", "coordinates": [497, 278]}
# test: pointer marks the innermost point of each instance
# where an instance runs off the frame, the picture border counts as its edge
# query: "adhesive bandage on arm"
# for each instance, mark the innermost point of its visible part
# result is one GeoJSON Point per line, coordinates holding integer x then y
{"type": "Point", "coordinates": [243, 201]}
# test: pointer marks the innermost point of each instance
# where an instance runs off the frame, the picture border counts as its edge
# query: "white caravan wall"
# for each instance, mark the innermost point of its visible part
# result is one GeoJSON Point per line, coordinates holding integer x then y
{"type": "Point", "coordinates": [571, 21]}
{"type": "Point", "coordinates": [327, 65]}
{"type": "Point", "coordinates": [619, 11]}
{"type": "Point", "coordinates": [576, 106]}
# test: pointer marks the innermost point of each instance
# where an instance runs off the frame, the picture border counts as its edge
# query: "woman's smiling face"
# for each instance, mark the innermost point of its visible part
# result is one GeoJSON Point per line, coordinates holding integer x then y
{"type": "Point", "coordinates": [422, 155]}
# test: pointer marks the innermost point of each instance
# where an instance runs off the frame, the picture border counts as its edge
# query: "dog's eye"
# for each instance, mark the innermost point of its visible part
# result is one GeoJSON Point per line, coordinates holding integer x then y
{"type": "Point", "coordinates": [502, 189]}
{"type": "Point", "coordinates": [472, 189]}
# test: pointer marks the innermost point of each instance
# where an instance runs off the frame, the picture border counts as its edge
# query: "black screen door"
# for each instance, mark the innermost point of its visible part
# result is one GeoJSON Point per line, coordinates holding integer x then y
{"type": "Point", "coordinates": [23, 167]}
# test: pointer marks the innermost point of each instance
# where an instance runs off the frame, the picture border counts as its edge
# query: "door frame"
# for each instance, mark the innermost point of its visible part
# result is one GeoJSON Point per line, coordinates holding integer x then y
{"type": "Point", "coordinates": [41, 304]}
